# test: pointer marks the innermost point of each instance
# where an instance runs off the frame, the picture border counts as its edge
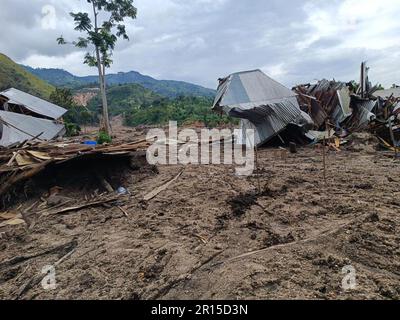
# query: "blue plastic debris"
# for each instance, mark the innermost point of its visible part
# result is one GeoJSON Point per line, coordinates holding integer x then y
{"type": "Point", "coordinates": [90, 143]}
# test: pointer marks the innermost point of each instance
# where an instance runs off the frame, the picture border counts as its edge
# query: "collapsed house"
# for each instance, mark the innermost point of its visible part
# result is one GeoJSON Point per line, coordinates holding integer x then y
{"type": "Point", "coordinates": [27, 124]}
{"type": "Point", "coordinates": [336, 105]}
{"type": "Point", "coordinates": [261, 104]}
{"type": "Point", "coordinates": [25, 117]}
{"type": "Point", "coordinates": [310, 111]}
{"type": "Point", "coordinates": [351, 107]}
{"type": "Point", "coordinates": [386, 94]}
{"type": "Point", "coordinates": [20, 163]}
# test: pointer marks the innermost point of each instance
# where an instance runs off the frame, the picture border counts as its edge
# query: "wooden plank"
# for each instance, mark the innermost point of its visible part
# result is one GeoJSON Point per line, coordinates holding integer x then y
{"type": "Point", "coordinates": [83, 206]}
{"type": "Point", "coordinates": [160, 189]}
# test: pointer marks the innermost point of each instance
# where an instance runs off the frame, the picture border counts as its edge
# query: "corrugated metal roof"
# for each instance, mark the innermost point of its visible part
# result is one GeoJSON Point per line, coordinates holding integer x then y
{"type": "Point", "coordinates": [262, 103]}
{"type": "Point", "coordinates": [368, 105]}
{"type": "Point", "coordinates": [250, 87]}
{"type": "Point", "coordinates": [365, 116]}
{"type": "Point", "coordinates": [33, 103]}
{"type": "Point", "coordinates": [342, 110]}
{"type": "Point", "coordinates": [28, 127]}
{"type": "Point", "coordinates": [268, 120]}
{"type": "Point", "coordinates": [345, 100]}
{"type": "Point", "coordinates": [320, 135]}
{"type": "Point", "coordinates": [362, 115]}
{"type": "Point", "coordinates": [387, 93]}
{"type": "Point", "coordinates": [325, 85]}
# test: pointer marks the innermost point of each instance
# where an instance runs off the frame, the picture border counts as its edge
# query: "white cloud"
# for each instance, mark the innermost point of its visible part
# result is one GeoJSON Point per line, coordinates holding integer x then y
{"type": "Point", "coordinates": [277, 71]}
{"type": "Point", "coordinates": [368, 24]}
{"type": "Point", "coordinates": [340, 34]}
{"type": "Point", "coordinates": [202, 40]}
{"type": "Point", "coordinates": [70, 62]}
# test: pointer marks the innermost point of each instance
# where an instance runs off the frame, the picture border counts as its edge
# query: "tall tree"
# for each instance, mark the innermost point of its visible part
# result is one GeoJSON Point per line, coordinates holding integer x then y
{"type": "Point", "coordinates": [103, 27]}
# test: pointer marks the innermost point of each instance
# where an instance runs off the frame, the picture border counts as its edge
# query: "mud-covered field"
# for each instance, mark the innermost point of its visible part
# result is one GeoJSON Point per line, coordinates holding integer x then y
{"type": "Point", "coordinates": [281, 234]}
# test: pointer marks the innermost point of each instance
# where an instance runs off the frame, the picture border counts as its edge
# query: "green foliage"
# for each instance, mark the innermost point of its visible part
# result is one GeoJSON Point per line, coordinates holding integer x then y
{"type": "Point", "coordinates": [182, 109]}
{"type": "Point", "coordinates": [13, 75]}
{"type": "Point", "coordinates": [102, 31]}
{"type": "Point", "coordinates": [72, 129]}
{"type": "Point", "coordinates": [122, 98]}
{"type": "Point", "coordinates": [140, 106]}
{"type": "Point", "coordinates": [76, 114]}
{"type": "Point", "coordinates": [63, 98]}
{"type": "Point", "coordinates": [102, 35]}
{"type": "Point", "coordinates": [103, 138]}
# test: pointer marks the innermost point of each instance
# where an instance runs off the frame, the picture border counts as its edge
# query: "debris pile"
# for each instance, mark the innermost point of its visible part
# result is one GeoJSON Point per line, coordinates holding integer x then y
{"type": "Point", "coordinates": [386, 126]}
{"type": "Point", "coordinates": [346, 107]}
{"type": "Point", "coordinates": [24, 117]}
{"type": "Point", "coordinates": [310, 112]}
{"type": "Point", "coordinates": [24, 162]}
{"type": "Point", "coordinates": [326, 100]}
{"type": "Point", "coordinates": [350, 108]}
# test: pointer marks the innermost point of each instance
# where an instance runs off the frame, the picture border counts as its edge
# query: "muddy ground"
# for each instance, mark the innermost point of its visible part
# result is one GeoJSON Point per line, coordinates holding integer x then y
{"type": "Point", "coordinates": [188, 242]}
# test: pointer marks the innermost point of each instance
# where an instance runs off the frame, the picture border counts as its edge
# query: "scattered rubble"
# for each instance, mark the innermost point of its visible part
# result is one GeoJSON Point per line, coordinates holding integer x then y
{"type": "Point", "coordinates": [191, 242]}
{"type": "Point", "coordinates": [349, 108]}
{"type": "Point", "coordinates": [201, 232]}
{"type": "Point", "coordinates": [306, 114]}
{"type": "Point", "coordinates": [26, 161]}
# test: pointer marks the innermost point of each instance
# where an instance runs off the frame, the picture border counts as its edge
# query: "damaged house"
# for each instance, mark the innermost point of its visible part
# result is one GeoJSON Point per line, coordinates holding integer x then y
{"type": "Point", "coordinates": [308, 112]}
{"type": "Point", "coordinates": [25, 117]}
{"type": "Point", "coordinates": [261, 104]}
{"type": "Point", "coordinates": [386, 94]}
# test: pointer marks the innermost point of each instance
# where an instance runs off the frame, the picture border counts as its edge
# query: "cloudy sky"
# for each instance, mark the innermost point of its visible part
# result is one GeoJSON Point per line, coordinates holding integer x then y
{"type": "Point", "coordinates": [201, 40]}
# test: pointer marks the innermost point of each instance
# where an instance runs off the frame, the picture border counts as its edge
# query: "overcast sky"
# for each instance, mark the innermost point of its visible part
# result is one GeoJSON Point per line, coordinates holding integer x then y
{"type": "Point", "coordinates": [199, 41]}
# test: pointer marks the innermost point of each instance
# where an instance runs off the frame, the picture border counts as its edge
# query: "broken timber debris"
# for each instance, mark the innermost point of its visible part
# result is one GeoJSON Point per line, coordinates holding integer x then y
{"type": "Point", "coordinates": [301, 115]}
{"type": "Point", "coordinates": [83, 206]}
{"type": "Point", "coordinates": [21, 163]}
{"type": "Point", "coordinates": [160, 189]}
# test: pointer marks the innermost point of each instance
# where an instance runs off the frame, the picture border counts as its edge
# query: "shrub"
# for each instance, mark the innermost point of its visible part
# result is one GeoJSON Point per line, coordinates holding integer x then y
{"type": "Point", "coordinates": [103, 138]}
{"type": "Point", "coordinates": [72, 129]}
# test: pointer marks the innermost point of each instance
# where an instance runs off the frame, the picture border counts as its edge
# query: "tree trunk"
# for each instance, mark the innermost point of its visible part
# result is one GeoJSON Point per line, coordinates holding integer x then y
{"type": "Point", "coordinates": [106, 120]}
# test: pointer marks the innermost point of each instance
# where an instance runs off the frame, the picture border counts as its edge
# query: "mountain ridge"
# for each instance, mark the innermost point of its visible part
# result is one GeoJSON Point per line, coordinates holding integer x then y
{"type": "Point", "coordinates": [12, 75]}
{"type": "Point", "coordinates": [168, 88]}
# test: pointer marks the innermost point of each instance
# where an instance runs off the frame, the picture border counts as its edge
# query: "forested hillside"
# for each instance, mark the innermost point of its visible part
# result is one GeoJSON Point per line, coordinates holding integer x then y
{"type": "Point", "coordinates": [13, 75]}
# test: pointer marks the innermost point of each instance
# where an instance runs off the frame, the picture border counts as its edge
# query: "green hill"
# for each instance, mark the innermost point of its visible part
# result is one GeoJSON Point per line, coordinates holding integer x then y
{"type": "Point", "coordinates": [122, 98]}
{"type": "Point", "coordinates": [141, 106]}
{"type": "Point", "coordinates": [13, 75]}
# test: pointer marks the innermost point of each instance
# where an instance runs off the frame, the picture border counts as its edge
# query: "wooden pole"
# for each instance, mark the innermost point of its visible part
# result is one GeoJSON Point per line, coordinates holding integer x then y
{"type": "Point", "coordinates": [393, 138]}
{"type": "Point", "coordinates": [257, 172]}
{"type": "Point", "coordinates": [324, 158]}
{"type": "Point", "coordinates": [327, 129]}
